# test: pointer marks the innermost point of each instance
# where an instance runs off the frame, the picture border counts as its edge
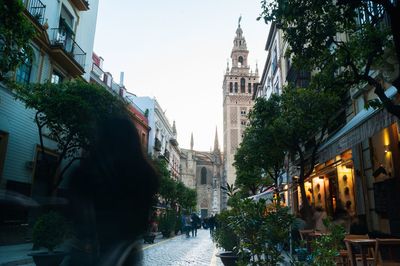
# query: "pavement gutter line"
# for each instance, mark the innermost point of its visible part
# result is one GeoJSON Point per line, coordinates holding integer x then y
{"type": "Point", "coordinates": [214, 257]}
{"type": "Point", "coordinates": [152, 245]}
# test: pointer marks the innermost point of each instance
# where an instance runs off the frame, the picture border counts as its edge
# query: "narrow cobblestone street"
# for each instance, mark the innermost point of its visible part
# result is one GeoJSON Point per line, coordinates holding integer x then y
{"type": "Point", "coordinates": [180, 250]}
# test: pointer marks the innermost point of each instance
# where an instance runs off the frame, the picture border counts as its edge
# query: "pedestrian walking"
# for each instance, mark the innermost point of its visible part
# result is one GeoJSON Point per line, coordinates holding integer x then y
{"type": "Point", "coordinates": [194, 223]}
{"type": "Point", "coordinates": [211, 224]}
{"type": "Point", "coordinates": [188, 225]}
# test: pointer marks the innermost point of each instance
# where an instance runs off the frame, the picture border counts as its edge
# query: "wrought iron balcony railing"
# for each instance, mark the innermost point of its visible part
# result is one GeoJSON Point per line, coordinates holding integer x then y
{"type": "Point", "coordinates": [37, 9]}
{"type": "Point", "coordinates": [62, 37]}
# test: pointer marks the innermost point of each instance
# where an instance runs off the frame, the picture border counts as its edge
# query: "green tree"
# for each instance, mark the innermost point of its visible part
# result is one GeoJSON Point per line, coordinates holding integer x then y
{"type": "Point", "coordinates": [15, 34]}
{"type": "Point", "coordinates": [186, 197]}
{"type": "Point", "coordinates": [300, 128]}
{"type": "Point", "coordinates": [68, 113]}
{"type": "Point", "coordinates": [259, 159]}
{"type": "Point", "coordinates": [346, 41]}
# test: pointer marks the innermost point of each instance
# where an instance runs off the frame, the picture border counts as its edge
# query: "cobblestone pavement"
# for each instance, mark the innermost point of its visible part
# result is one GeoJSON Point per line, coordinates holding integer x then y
{"type": "Point", "coordinates": [180, 251]}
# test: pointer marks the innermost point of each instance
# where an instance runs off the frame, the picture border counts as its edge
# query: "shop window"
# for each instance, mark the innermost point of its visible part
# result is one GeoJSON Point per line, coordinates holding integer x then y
{"type": "Point", "coordinates": [203, 176]}
{"type": "Point", "coordinates": [23, 73]}
{"type": "Point", "coordinates": [3, 149]}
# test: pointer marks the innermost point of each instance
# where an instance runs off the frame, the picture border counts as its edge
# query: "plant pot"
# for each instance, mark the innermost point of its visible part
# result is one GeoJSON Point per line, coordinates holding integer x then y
{"type": "Point", "coordinates": [166, 234]}
{"type": "Point", "coordinates": [48, 258]}
{"type": "Point", "coordinates": [228, 258]}
{"type": "Point", "coordinates": [149, 239]}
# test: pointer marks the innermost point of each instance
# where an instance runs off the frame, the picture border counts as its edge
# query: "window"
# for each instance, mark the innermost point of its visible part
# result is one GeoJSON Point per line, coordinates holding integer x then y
{"type": "Point", "coordinates": [243, 112]}
{"type": "Point", "coordinates": [66, 19]}
{"type": "Point", "coordinates": [276, 87]}
{"type": "Point", "coordinates": [203, 176]}
{"type": "Point", "coordinates": [3, 149]}
{"type": "Point", "coordinates": [243, 122]}
{"type": "Point", "coordinates": [249, 88]}
{"type": "Point", "coordinates": [242, 85]}
{"type": "Point", "coordinates": [230, 87]}
{"type": "Point", "coordinates": [23, 73]}
{"type": "Point", "coordinates": [236, 87]}
{"type": "Point", "coordinates": [240, 60]}
{"type": "Point", "coordinates": [56, 77]}
{"type": "Point", "coordinates": [274, 60]}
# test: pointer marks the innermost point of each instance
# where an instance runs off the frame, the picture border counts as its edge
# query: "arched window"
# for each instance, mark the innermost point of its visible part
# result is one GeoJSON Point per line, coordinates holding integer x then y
{"type": "Point", "coordinates": [230, 87]}
{"type": "Point", "coordinates": [203, 176]}
{"type": "Point", "coordinates": [236, 87]}
{"type": "Point", "coordinates": [242, 85]}
{"type": "Point", "coordinates": [240, 60]}
{"type": "Point", "coordinates": [249, 88]}
{"type": "Point", "coordinates": [23, 73]}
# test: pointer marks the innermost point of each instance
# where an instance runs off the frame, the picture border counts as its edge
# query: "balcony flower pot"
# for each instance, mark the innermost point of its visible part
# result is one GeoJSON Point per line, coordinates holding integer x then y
{"type": "Point", "coordinates": [49, 231]}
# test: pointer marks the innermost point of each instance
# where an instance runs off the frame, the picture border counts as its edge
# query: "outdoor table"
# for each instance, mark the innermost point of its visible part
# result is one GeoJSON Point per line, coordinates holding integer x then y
{"type": "Point", "coordinates": [363, 245]}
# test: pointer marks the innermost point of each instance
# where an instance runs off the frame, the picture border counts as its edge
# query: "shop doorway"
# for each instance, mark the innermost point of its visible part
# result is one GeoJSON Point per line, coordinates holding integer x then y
{"type": "Point", "coordinates": [331, 192]}
{"type": "Point", "coordinates": [44, 174]}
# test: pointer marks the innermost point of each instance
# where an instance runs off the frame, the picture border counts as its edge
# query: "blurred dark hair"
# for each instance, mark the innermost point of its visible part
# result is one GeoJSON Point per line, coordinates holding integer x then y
{"type": "Point", "coordinates": [113, 189]}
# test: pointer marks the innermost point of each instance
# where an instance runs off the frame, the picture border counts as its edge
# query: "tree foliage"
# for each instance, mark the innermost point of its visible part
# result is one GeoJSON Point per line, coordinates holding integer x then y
{"type": "Point", "coordinates": [344, 41]}
{"type": "Point", "coordinates": [174, 192]}
{"type": "Point", "coordinates": [15, 34]}
{"type": "Point", "coordinates": [68, 113]}
{"type": "Point", "coordinates": [259, 159]}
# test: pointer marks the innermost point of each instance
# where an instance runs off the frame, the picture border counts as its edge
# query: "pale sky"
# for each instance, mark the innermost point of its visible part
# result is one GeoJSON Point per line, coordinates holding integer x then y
{"type": "Point", "coordinates": [176, 51]}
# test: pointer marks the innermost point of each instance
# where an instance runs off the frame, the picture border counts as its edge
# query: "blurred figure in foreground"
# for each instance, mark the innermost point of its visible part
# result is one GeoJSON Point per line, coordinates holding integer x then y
{"type": "Point", "coordinates": [112, 192]}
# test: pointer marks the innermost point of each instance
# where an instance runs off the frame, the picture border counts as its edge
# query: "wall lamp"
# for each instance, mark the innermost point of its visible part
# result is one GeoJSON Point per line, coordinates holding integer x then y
{"type": "Point", "coordinates": [387, 148]}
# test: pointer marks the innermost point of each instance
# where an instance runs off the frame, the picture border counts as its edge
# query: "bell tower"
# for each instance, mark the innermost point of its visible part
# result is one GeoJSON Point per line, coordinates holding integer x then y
{"type": "Point", "coordinates": [238, 87]}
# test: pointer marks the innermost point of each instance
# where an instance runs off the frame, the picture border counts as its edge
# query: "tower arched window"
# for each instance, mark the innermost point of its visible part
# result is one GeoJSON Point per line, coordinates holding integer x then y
{"type": "Point", "coordinates": [230, 87]}
{"type": "Point", "coordinates": [242, 85]}
{"type": "Point", "coordinates": [240, 60]}
{"type": "Point", "coordinates": [203, 180]}
{"type": "Point", "coordinates": [249, 88]}
{"type": "Point", "coordinates": [236, 87]}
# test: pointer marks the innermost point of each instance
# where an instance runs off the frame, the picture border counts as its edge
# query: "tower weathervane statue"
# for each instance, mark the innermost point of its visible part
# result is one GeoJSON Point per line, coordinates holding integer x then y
{"type": "Point", "coordinates": [240, 19]}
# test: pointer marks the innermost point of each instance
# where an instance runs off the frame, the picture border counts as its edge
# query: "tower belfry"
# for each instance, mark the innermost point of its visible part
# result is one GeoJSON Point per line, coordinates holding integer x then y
{"type": "Point", "coordinates": [238, 87]}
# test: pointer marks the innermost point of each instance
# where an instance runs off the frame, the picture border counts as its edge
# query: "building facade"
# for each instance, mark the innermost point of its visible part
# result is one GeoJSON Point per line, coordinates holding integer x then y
{"type": "Point", "coordinates": [357, 169]}
{"type": "Point", "coordinates": [203, 171]}
{"type": "Point", "coordinates": [238, 86]}
{"type": "Point", "coordinates": [65, 36]}
{"type": "Point", "coordinates": [105, 79]}
{"type": "Point", "coordinates": [162, 141]}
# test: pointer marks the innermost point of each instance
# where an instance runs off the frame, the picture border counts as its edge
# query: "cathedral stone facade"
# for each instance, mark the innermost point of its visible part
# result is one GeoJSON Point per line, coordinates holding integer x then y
{"type": "Point", "coordinates": [203, 171]}
{"type": "Point", "coordinates": [238, 87]}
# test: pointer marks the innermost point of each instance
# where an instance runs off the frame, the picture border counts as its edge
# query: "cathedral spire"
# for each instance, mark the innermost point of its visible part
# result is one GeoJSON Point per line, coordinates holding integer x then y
{"type": "Point", "coordinates": [174, 129]}
{"type": "Point", "coordinates": [216, 148]}
{"type": "Point", "coordinates": [191, 141]}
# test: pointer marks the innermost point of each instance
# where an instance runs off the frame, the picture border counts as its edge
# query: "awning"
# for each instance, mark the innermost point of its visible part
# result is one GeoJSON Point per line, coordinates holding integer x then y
{"type": "Point", "coordinates": [267, 195]}
{"type": "Point", "coordinates": [362, 126]}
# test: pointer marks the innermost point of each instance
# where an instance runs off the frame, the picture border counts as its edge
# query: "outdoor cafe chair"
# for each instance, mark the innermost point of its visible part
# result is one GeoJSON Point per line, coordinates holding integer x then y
{"type": "Point", "coordinates": [387, 252]}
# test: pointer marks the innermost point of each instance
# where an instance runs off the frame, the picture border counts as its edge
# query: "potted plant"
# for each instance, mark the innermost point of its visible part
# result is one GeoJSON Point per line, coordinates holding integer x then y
{"type": "Point", "coordinates": [167, 223]}
{"type": "Point", "coordinates": [49, 231]}
{"type": "Point", "coordinates": [225, 238]}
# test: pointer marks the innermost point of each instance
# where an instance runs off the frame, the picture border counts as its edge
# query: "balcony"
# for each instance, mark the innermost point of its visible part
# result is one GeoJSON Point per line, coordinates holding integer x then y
{"type": "Point", "coordinates": [67, 52]}
{"type": "Point", "coordinates": [157, 144]}
{"type": "Point", "coordinates": [299, 78]}
{"type": "Point", "coordinates": [81, 5]}
{"type": "Point", "coordinates": [36, 10]}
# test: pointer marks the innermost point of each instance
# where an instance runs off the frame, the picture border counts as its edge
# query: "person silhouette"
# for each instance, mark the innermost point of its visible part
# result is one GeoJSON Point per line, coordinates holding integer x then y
{"type": "Point", "coordinates": [111, 195]}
